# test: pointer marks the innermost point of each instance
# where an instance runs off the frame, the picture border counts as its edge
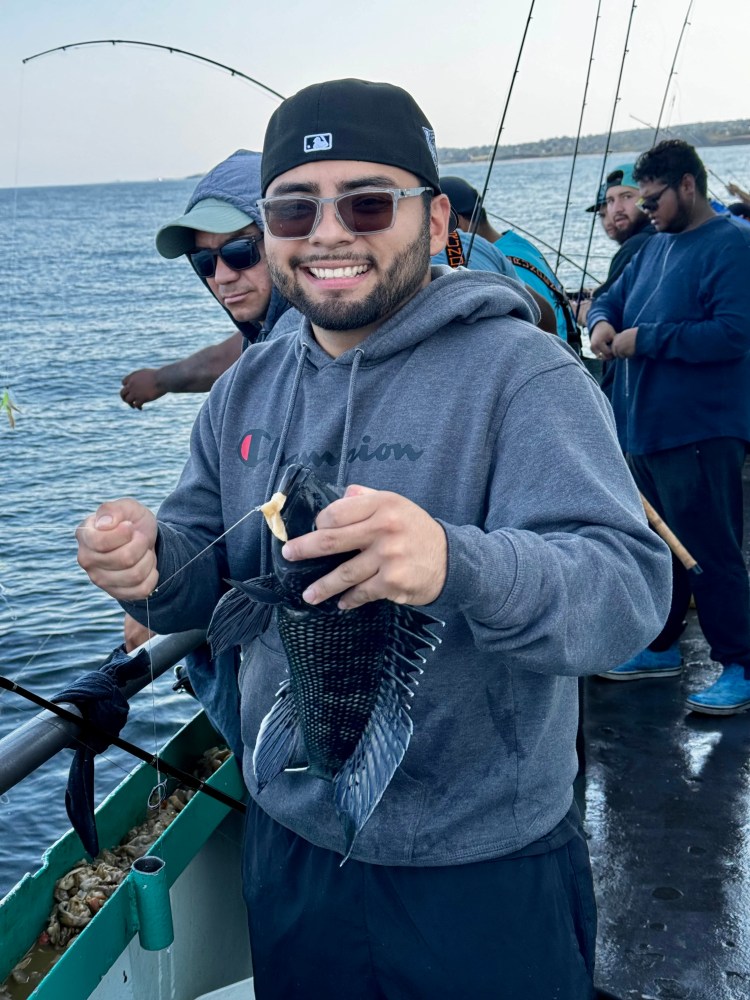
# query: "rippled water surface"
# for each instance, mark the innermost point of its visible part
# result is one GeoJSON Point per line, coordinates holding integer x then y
{"type": "Point", "coordinates": [84, 299]}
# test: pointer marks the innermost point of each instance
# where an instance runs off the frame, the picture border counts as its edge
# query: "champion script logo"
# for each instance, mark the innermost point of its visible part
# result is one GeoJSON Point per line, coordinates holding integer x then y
{"type": "Point", "coordinates": [258, 447]}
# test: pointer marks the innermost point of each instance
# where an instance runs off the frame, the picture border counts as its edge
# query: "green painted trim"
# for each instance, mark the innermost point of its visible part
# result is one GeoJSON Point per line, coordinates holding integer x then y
{"type": "Point", "coordinates": [25, 910]}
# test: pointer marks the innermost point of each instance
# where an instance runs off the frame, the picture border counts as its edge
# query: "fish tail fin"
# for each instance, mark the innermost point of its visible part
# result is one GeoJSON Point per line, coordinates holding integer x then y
{"type": "Point", "coordinates": [243, 613]}
{"type": "Point", "coordinates": [280, 744]}
{"type": "Point", "coordinates": [361, 782]}
{"type": "Point", "coordinates": [364, 777]}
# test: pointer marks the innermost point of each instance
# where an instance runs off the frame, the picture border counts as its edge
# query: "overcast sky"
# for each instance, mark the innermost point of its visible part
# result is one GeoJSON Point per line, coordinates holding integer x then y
{"type": "Point", "coordinates": [124, 113]}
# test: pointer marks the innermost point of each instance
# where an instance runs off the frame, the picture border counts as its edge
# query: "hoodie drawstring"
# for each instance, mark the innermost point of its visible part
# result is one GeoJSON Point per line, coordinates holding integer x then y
{"type": "Point", "coordinates": [358, 355]}
{"type": "Point", "coordinates": [280, 449]}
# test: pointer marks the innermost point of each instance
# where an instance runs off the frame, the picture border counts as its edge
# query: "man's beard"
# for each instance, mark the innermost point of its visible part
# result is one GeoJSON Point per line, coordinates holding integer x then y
{"type": "Point", "coordinates": [682, 217]}
{"type": "Point", "coordinates": [401, 281]}
{"type": "Point", "coordinates": [634, 226]}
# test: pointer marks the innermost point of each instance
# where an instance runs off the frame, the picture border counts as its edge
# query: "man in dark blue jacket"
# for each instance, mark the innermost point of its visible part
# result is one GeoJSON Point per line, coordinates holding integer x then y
{"type": "Point", "coordinates": [678, 321]}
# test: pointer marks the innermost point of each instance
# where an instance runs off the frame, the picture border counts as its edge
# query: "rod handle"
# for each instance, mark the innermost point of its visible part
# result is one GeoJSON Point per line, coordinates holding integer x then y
{"type": "Point", "coordinates": [663, 530]}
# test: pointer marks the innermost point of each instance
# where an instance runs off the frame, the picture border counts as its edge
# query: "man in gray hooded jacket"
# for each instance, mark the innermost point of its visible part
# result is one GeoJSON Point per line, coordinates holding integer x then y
{"type": "Point", "coordinates": [452, 422]}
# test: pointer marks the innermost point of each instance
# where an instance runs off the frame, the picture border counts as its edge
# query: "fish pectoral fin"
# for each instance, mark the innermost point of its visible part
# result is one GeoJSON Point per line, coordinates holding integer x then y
{"type": "Point", "coordinates": [280, 745]}
{"type": "Point", "coordinates": [239, 617]}
{"type": "Point", "coordinates": [364, 777]}
{"type": "Point", "coordinates": [263, 589]}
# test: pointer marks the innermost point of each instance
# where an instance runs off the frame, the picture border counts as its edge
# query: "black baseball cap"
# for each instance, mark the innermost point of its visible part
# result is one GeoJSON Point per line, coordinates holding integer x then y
{"type": "Point", "coordinates": [350, 120]}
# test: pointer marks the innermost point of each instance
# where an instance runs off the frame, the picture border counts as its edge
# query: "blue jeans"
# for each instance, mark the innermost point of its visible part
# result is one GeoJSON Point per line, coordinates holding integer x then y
{"type": "Point", "coordinates": [216, 688]}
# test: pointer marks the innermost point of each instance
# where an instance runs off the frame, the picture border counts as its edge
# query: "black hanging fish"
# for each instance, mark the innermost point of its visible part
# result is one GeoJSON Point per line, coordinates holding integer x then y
{"type": "Point", "coordinates": [343, 714]}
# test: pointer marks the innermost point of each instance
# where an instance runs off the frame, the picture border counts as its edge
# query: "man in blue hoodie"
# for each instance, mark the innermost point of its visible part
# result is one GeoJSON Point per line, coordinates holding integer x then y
{"type": "Point", "coordinates": [221, 235]}
{"type": "Point", "coordinates": [678, 321]}
{"type": "Point", "coordinates": [430, 396]}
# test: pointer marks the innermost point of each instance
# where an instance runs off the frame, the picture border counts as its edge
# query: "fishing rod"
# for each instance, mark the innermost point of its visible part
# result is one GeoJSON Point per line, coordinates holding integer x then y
{"type": "Point", "coordinates": [688, 132]}
{"type": "Point", "coordinates": [155, 45]}
{"type": "Point", "coordinates": [548, 246]}
{"type": "Point", "coordinates": [595, 215]}
{"type": "Point", "coordinates": [479, 204]}
{"type": "Point", "coordinates": [152, 760]}
{"type": "Point", "coordinates": [578, 134]}
{"type": "Point", "coordinates": [671, 72]}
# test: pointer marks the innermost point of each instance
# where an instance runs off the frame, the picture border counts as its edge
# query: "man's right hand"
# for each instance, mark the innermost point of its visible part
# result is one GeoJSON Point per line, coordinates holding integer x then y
{"type": "Point", "coordinates": [602, 337]}
{"type": "Point", "coordinates": [142, 386]}
{"type": "Point", "coordinates": [116, 547]}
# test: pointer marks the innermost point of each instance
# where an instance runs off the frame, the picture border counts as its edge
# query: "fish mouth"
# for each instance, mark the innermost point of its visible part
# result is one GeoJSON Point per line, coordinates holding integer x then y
{"type": "Point", "coordinates": [292, 475]}
{"type": "Point", "coordinates": [306, 496]}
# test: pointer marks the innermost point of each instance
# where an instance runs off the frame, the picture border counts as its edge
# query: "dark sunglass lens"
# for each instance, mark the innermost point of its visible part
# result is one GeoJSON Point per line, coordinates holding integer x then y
{"type": "Point", "coordinates": [290, 218]}
{"type": "Point", "coordinates": [368, 212]}
{"type": "Point", "coordinates": [204, 262]}
{"type": "Point", "coordinates": [240, 254]}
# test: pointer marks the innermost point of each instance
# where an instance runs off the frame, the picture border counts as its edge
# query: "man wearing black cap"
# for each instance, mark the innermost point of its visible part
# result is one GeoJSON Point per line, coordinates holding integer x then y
{"type": "Point", "coordinates": [430, 398]}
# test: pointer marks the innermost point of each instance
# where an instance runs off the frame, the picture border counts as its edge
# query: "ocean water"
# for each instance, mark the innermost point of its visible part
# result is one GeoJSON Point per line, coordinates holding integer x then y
{"type": "Point", "coordinates": [84, 300]}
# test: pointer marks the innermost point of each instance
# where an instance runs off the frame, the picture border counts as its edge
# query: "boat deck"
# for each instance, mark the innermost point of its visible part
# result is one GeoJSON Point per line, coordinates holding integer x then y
{"type": "Point", "coordinates": [666, 805]}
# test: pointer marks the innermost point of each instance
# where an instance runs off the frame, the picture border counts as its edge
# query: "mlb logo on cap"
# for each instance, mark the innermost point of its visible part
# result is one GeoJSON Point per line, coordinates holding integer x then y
{"type": "Point", "coordinates": [321, 140]}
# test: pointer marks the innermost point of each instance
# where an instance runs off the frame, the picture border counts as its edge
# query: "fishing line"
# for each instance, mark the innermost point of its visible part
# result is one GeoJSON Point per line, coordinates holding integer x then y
{"type": "Point", "coordinates": [159, 792]}
{"type": "Point", "coordinates": [671, 72]}
{"type": "Point", "coordinates": [578, 134]}
{"type": "Point", "coordinates": [6, 399]}
{"type": "Point", "coordinates": [595, 215]}
{"type": "Point", "coordinates": [480, 204]}
{"type": "Point", "coordinates": [538, 239]}
{"type": "Point", "coordinates": [696, 140]}
{"type": "Point", "coordinates": [163, 583]}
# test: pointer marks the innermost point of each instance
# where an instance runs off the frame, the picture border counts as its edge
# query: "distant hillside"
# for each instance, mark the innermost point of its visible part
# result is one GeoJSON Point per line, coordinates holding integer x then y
{"type": "Point", "coordinates": [632, 141]}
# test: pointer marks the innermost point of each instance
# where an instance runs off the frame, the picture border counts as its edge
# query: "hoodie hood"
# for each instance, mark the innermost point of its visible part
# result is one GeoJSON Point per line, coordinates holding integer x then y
{"type": "Point", "coordinates": [453, 296]}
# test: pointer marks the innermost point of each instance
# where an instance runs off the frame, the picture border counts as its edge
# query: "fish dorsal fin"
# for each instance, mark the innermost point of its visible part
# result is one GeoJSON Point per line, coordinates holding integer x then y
{"type": "Point", "coordinates": [280, 744]}
{"type": "Point", "coordinates": [361, 782]}
{"type": "Point", "coordinates": [243, 613]}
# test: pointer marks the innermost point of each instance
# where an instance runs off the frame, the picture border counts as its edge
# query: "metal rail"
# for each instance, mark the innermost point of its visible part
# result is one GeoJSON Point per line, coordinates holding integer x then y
{"type": "Point", "coordinates": [39, 739]}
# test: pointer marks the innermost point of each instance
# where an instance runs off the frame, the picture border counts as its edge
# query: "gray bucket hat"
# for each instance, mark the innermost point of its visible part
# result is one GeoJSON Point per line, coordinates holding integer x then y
{"type": "Point", "coordinates": [223, 202]}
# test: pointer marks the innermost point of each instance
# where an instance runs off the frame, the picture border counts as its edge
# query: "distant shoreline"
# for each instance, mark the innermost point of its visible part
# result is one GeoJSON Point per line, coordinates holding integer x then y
{"type": "Point", "coordinates": [702, 134]}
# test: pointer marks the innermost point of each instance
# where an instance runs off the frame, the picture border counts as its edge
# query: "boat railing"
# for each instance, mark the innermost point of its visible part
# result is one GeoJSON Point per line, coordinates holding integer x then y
{"type": "Point", "coordinates": [46, 734]}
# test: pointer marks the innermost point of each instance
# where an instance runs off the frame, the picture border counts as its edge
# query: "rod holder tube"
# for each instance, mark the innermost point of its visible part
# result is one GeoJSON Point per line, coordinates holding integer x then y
{"type": "Point", "coordinates": [150, 900]}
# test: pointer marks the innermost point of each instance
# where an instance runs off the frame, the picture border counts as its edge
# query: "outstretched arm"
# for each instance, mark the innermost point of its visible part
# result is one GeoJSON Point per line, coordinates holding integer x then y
{"type": "Point", "coordinates": [196, 373]}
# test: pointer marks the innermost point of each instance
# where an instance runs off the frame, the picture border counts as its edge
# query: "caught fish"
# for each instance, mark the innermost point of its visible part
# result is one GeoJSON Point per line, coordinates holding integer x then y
{"type": "Point", "coordinates": [343, 713]}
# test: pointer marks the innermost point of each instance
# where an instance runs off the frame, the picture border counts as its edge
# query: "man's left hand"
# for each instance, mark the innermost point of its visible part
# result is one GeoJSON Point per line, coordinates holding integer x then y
{"type": "Point", "coordinates": [402, 552]}
{"type": "Point", "coordinates": [623, 346]}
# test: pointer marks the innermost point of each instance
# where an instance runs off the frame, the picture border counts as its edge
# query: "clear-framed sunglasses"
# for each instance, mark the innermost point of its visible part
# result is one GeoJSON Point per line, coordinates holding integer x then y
{"type": "Point", "coordinates": [361, 213]}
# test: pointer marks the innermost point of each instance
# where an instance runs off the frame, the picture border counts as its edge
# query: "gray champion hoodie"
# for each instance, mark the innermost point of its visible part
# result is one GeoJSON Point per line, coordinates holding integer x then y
{"type": "Point", "coordinates": [494, 428]}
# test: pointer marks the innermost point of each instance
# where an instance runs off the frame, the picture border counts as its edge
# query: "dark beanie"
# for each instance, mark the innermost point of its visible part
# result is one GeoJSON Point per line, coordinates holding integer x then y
{"type": "Point", "coordinates": [350, 120]}
{"type": "Point", "coordinates": [463, 197]}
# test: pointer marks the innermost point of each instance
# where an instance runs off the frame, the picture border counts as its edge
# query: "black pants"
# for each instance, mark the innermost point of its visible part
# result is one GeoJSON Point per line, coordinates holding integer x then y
{"type": "Point", "coordinates": [509, 929]}
{"type": "Point", "coordinates": [697, 489]}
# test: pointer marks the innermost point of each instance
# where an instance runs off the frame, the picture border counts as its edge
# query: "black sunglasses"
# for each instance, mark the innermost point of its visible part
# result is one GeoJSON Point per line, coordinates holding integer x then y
{"type": "Point", "coordinates": [651, 203]}
{"type": "Point", "coordinates": [239, 254]}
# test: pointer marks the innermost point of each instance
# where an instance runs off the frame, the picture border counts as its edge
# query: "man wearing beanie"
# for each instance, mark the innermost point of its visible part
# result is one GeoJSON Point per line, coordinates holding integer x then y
{"type": "Point", "coordinates": [221, 234]}
{"type": "Point", "coordinates": [429, 396]}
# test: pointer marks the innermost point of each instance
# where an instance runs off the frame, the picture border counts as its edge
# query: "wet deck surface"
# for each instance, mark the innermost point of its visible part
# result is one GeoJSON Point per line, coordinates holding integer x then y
{"type": "Point", "coordinates": [666, 804]}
